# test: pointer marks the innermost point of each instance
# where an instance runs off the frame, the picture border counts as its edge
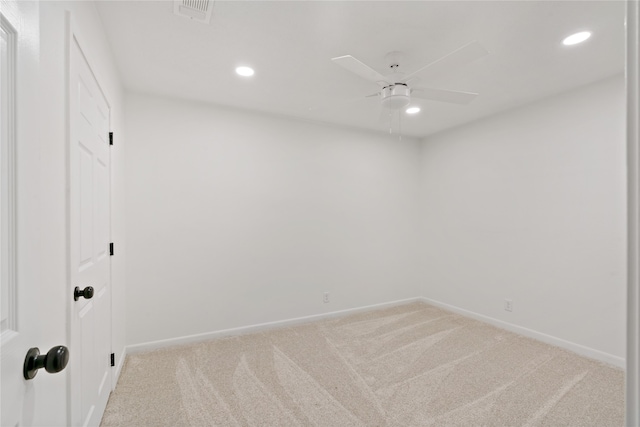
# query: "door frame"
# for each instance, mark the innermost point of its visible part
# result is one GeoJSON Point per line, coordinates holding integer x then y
{"type": "Point", "coordinates": [74, 36]}
{"type": "Point", "coordinates": [632, 400]}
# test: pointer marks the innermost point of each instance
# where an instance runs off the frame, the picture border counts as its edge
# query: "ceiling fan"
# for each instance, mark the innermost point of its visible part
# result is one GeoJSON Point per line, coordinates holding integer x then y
{"type": "Point", "coordinates": [396, 88]}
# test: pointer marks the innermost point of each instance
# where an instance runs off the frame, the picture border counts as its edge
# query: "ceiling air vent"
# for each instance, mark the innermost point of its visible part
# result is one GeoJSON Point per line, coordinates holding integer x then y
{"type": "Point", "coordinates": [197, 10]}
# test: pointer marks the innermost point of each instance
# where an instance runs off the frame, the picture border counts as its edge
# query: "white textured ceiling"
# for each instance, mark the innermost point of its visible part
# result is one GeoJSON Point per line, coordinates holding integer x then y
{"type": "Point", "coordinates": [290, 45]}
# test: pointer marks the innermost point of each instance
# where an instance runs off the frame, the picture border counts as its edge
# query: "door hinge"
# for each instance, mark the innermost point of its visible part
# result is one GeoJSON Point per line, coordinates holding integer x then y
{"type": "Point", "coordinates": [111, 249]}
{"type": "Point", "coordinates": [110, 138]}
{"type": "Point", "coordinates": [113, 359]}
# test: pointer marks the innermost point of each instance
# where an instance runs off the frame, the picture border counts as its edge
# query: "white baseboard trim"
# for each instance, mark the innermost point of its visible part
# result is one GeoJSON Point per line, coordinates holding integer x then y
{"type": "Point", "coordinates": [549, 339]}
{"type": "Point", "coordinates": [530, 333]}
{"type": "Point", "coordinates": [154, 345]}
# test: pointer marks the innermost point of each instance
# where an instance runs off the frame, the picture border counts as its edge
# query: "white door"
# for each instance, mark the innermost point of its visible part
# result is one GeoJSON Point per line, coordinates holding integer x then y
{"type": "Point", "coordinates": [89, 214]}
{"type": "Point", "coordinates": [27, 319]}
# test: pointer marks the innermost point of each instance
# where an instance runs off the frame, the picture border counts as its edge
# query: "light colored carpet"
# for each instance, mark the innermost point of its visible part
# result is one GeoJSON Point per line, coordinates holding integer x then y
{"type": "Point", "coordinates": [411, 365]}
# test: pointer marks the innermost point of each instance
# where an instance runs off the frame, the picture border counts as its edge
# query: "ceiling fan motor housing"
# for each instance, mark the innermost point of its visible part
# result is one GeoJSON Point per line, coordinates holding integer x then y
{"type": "Point", "coordinates": [395, 96]}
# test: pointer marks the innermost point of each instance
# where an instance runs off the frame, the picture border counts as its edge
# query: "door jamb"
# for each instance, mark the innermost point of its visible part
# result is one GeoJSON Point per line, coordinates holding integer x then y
{"type": "Point", "coordinates": [632, 401]}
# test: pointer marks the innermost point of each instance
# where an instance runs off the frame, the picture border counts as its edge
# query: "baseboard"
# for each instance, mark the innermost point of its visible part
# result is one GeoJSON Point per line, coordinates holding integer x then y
{"type": "Point", "coordinates": [154, 345]}
{"type": "Point", "coordinates": [530, 333]}
{"type": "Point", "coordinates": [549, 339]}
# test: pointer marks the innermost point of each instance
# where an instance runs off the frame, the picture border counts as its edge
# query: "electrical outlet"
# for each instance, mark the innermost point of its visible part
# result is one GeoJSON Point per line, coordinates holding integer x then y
{"type": "Point", "coordinates": [508, 305]}
{"type": "Point", "coordinates": [325, 297]}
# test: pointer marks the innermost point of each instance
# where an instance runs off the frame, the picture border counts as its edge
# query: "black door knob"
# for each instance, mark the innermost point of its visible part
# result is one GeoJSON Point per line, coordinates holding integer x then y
{"type": "Point", "coordinates": [54, 361]}
{"type": "Point", "coordinates": [86, 293]}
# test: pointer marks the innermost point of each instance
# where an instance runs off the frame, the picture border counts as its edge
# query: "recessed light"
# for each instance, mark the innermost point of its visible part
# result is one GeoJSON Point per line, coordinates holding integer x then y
{"type": "Point", "coordinates": [412, 110]}
{"type": "Point", "coordinates": [245, 71]}
{"type": "Point", "coordinates": [576, 38]}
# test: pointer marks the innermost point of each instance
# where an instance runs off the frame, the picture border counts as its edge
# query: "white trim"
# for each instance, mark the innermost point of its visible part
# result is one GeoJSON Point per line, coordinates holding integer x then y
{"type": "Point", "coordinates": [120, 365]}
{"type": "Point", "coordinates": [632, 410]}
{"type": "Point", "coordinates": [558, 342]}
{"type": "Point", "coordinates": [188, 339]}
{"type": "Point", "coordinates": [68, 39]}
{"type": "Point", "coordinates": [530, 333]}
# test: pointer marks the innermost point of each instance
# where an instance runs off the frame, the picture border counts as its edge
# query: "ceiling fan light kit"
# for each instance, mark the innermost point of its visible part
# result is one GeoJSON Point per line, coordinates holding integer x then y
{"type": "Point", "coordinates": [395, 96]}
{"type": "Point", "coordinates": [396, 92]}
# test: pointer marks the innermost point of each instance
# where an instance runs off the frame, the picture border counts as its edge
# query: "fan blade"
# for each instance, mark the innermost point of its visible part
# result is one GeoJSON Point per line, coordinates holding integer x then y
{"type": "Point", "coordinates": [343, 102]}
{"type": "Point", "coordinates": [412, 81]}
{"type": "Point", "coordinates": [444, 95]}
{"type": "Point", "coordinates": [464, 55]}
{"type": "Point", "coordinates": [363, 70]}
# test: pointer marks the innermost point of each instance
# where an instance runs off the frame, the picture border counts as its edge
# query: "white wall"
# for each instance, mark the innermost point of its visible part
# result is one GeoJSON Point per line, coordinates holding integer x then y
{"type": "Point", "coordinates": [236, 219]}
{"type": "Point", "coordinates": [530, 205]}
{"type": "Point", "coordinates": [52, 125]}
